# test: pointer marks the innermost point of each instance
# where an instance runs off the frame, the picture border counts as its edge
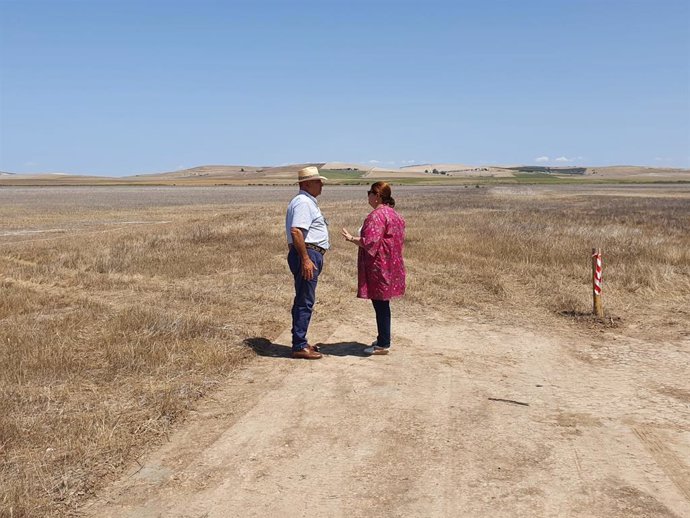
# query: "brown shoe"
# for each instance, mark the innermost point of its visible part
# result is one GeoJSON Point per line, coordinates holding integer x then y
{"type": "Point", "coordinates": [375, 349]}
{"type": "Point", "coordinates": [308, 353]}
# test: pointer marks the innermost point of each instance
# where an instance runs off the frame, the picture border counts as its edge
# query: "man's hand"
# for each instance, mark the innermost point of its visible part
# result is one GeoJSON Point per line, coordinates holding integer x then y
{"type": "Point", "coordinates": [308, 268]}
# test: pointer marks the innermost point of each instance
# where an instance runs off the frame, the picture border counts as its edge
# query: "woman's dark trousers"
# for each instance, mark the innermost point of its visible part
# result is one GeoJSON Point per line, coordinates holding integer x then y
{"type": "Point", "coordinates": [383, 322]}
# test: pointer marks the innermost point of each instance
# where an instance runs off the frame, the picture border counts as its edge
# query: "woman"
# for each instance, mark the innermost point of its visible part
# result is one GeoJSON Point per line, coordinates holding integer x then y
{"type": "Point", "coordinates": [380, 267]}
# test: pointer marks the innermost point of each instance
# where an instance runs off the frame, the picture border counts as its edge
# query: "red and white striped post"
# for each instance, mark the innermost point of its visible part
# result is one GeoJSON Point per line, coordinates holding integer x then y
{"type": "Point", "coordinates": [596, 282]}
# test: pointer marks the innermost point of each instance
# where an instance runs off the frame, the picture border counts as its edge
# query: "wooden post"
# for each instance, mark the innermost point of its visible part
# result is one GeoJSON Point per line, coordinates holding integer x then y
{"type": "Point", "coordinates": [596, 282]}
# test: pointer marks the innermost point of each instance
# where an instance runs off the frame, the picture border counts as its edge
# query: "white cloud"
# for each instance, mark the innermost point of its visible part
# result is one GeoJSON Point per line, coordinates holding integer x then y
{"type": "Point", "coordinates": [374, 162]}
{"type": "Point", "coordinates": [542, 159]}
{"type": "Point", "coordinates": [564, 159]}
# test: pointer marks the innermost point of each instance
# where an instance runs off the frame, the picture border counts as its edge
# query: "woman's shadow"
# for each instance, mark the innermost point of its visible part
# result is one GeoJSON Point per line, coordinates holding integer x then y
{"type": "Point", "coordinates": [264, 347]}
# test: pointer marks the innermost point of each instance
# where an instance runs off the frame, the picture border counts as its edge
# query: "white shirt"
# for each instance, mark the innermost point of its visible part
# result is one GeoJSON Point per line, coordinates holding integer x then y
{"type": "Point", "coordinates": [303, 212]}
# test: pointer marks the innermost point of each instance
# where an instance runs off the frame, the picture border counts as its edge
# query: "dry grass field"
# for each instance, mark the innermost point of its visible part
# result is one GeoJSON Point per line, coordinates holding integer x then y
{"type": "Point", "coordinates": [121, 307]}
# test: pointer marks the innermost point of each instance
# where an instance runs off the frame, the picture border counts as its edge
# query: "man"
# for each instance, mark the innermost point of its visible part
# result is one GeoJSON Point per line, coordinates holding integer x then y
{"type": "Point", "coordinates": [307, 236]}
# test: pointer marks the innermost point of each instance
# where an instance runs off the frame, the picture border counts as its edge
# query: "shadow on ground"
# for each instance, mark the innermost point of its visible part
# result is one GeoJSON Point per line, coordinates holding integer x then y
{"type": "Point", "coordinates": [343, 349]}
{"type": "Point", "coordinates": [264, 347]}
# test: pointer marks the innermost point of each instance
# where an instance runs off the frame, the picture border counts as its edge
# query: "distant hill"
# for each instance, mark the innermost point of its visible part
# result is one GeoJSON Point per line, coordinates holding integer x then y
{"type": "Point", "coordinates": [346, 172]}
{"type": "Point", "coordinates": [230, 173]}
{"type": "Point", "coordinates": [421, 168]}
{"type": "Point", "coordinates": [545, 169]}
{"type": "Point", "coordinates": [639, 172]}
{"type": "Point", "coordinates": [344, 166]}
{"type": "Point", "coordinates": [49, 179]}
{"type": "Point", "coordinates": [452, 169]}
{"type": "Point", "coordinates": [203, 171]}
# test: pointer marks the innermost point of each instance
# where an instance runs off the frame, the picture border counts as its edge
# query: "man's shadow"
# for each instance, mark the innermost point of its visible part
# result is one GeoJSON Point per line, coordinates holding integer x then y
{"type": "Point", "coordinates": [264, 347]}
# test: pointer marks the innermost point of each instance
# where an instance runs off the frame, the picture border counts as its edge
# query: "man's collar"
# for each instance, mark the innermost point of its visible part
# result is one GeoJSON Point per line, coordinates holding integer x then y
{"type": "Point", "coordinates": [301, 191]}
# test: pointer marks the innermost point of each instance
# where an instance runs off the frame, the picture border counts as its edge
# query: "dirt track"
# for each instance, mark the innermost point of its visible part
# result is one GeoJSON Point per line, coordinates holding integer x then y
{"type": "Point", "coordinates": [436, 428]}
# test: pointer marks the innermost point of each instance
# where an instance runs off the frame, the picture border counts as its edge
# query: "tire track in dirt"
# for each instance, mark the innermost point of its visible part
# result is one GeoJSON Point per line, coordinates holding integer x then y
{"type": "Point", "coordinates": [66, 233]}
{"type": "Point", "coordinates": [668, 461]}
{"type": "Point", "coordinates": [117, 297]}
{"type": "Point", "coordinates": [71, 294]}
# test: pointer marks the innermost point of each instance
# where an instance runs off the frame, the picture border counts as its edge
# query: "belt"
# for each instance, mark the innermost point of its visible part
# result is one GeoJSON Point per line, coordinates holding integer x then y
{"type": "Point", "coordinates": [315, 247]}
{"type": "Point", "coordinates": [320, 250]}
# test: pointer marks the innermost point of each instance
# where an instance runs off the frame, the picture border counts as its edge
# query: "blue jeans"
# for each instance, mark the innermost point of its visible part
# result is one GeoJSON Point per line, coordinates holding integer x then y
{"type": "Point", "coordinates": [305, 296]}
{"type": "Point", "coordinates": [383, 322]}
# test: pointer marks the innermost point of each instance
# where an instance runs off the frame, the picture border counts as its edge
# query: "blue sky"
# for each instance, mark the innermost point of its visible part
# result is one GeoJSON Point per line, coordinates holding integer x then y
{"type": "Point", "coordinates": [124, 87]}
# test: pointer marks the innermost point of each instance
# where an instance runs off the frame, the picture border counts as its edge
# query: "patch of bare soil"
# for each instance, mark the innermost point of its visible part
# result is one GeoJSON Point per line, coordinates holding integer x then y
{"type": "Point", "coordinates": [465, 417]}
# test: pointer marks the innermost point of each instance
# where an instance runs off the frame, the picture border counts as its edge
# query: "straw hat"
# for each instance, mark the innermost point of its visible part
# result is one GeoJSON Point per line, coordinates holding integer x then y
{"type": "Point", "coordinates": [309, 173]}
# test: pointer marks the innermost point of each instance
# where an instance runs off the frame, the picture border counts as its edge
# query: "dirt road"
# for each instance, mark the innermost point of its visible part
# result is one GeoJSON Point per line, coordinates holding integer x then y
{"type": "Point", "coordinates": [463, 418]}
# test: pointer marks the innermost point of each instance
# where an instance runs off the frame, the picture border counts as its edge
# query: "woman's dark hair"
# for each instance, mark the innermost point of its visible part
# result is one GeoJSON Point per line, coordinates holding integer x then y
{"type": "Point", "coordinates": [383, 190]}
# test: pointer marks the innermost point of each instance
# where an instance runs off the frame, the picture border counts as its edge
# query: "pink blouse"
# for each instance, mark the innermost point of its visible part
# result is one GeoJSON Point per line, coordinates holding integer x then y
{"type": "Point", "coordinates": [380, 267]}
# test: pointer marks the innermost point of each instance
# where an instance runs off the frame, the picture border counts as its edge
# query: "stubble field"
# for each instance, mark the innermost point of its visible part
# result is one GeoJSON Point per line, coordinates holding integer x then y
{"type": "Point", "coordinates": [121, 307]}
